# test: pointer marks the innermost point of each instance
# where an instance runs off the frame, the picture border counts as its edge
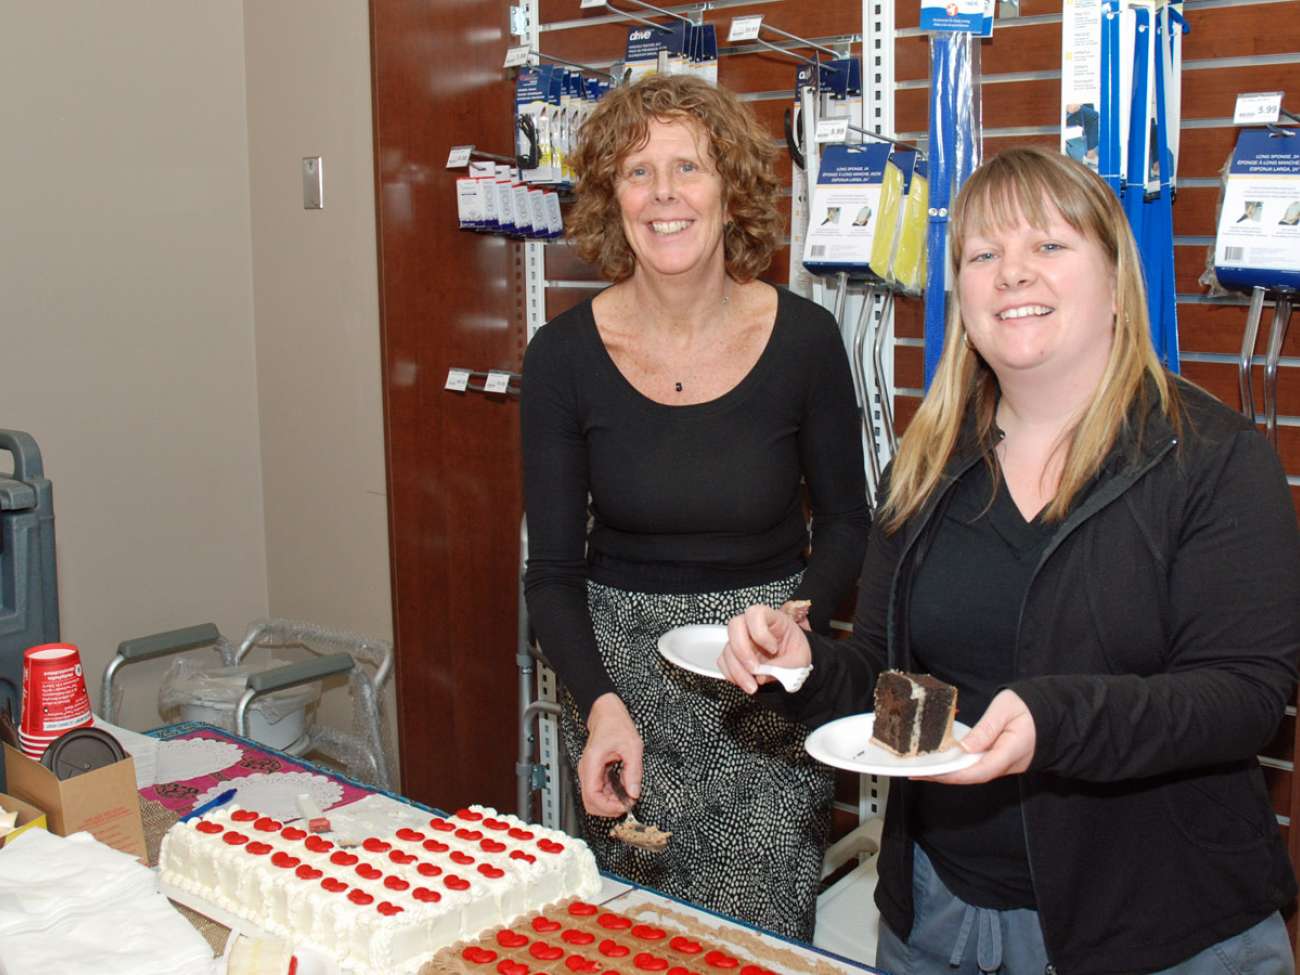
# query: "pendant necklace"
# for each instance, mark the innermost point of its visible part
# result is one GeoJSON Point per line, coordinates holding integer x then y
{"type": "Point", "coordinates": [726, 298]}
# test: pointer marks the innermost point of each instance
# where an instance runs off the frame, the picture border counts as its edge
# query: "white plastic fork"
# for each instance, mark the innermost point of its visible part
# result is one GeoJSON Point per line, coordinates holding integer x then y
{"type": "Point", "coordinates": [791, 678]}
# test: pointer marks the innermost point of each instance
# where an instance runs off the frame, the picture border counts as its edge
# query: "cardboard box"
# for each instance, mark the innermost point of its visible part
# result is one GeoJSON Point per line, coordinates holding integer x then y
{"type": "Point", "coordinates": [104, 802]}
{"type": "Point", "coordinates": [29, 817]}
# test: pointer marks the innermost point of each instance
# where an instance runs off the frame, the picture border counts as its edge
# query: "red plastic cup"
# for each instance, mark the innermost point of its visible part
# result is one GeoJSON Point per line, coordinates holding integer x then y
{"type": "Point", "coordinates": [55, 698]}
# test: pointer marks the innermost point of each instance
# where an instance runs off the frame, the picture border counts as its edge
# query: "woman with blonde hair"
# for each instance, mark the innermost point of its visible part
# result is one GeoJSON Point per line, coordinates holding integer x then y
{"type": "Point", "coordinates": [1103, 559]}
{"type": "Point", "coordinates": [686, 409]}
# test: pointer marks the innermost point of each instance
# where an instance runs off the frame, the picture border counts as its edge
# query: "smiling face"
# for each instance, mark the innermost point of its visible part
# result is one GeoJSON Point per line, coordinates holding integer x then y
{"type": "Point", "coordinates": [1038, 303]}
{"type": "Point", "coordinates": [670, 197]}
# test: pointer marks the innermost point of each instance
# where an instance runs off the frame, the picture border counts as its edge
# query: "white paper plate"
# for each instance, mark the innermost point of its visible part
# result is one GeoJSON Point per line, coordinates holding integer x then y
{"type": "Point", "coordinates": [847, 744]}
{"type": "Point", "coordinates": [695, 648]}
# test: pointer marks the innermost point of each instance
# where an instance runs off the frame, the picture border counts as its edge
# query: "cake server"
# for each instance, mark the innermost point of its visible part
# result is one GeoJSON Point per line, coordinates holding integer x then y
{"type": "Point", "coordinates": [791, 678]}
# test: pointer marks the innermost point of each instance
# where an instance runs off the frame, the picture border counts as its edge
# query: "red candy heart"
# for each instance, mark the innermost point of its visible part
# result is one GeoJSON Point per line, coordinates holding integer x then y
{"type": "Point", "coordinates": [492, 846]}
{"type": "Point", "coordinates": [429, 870]}
{"type": "Point", "coordinates": [267, 825]}
{"type": "Point", "coordinates": [293, 833]}
{"type": "Point", "coordinates": [520, 834]}
{"type": "Point", "coordinates": [576, 963]}
{"type": "Point", "coordinates": [397, 856]}
{"type": "Point", "coordinates": [234, 839]}
{"type": "Point", "coordinates": [471, 817]}
{"type": "Point", "coordinates": [359, 896]}
{"type": "Point", "coordinates": [582, 909]}
{"type": "Point", "coordinates": [650, 963]}
{"type": "Point", "coordinates": [491, 872]}
{"type": "Point", "coordinates": [543, 924]}
{"type": "Point", "coordinates": [425, 895]}
{"type": "Point", "coordinates": [647, 933]}
{"type": "Point", "coordinates": [244, 815]}
{"type": "Point", "coordinates": [614, 922]}
{"type": "Point", "coordinates": [462, 858]}
{"type": "Point", "coordinates": [497, 824]}
{"type": "Point", "coordinates": [376, 845]}
{"type": "Point", "coordinates": [333, 885]}
{"type": "Point", "coordinates": [409, 835]}
{"type": "Point", "coordinates": [720, 960]}
{"type": "Point", "coordinates": [203, 826]}
{"type": "Point", "coordinates": [612, 949]}
{"type": "Point", "coordinates": [756, 970]}
{"type": "Point", "coordinates": [544, 952]}
{"type": "Point", "coordinates": [685, 945]}
{"type": "Point", "coordinates": [433, 846]}
{"type": "Point", "coordinates": [455, 883]}
{"type": "Point", "coordinates": [442, 825]}
{"type": "Point", "coordinates": [521, 855]}
{"type": "Point", "coordinates": [284, 860]}
{"type": "Point", "coordinates": [473, 835]}
{"type": "Point", "coordinates": [679, 970]}
{"type": "Point", "coordinates": [318, 845]}
{"type": "Point", "coordinates": [478, 956]}
{"type": "Point", "coordinates": [396, 883]}
{"type": "Point", "coordinates": [511, 939]}
{"type": "Point", "coordinates": [343, 859]}
{"type": "Point", "coordinates": [307, 872]}
{"type": "Point", "coordinates": [388, 910]}
{"type": "Point", "coordinates": [366, 872]}
{"type": "Point", "coordinates": [550, 846]}
{"type": "Point", "coordinates": [258, 849]}
{"type": "Point", "coordinates": [575, 937]}
{"type": "Point", "coordinates": [509, 967]}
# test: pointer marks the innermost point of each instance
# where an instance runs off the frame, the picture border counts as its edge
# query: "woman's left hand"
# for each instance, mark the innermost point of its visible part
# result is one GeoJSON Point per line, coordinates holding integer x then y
{"type": "Point", "coordinates": [1006, 737]}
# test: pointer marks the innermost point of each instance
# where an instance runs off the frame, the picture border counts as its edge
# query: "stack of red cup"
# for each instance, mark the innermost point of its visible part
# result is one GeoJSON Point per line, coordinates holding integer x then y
{"type": "Point", "coordinates": [54, 696]}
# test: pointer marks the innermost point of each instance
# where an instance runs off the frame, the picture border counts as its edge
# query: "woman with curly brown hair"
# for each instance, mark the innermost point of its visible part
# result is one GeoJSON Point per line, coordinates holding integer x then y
{"type": "Point", "coordinates": [640, 407]}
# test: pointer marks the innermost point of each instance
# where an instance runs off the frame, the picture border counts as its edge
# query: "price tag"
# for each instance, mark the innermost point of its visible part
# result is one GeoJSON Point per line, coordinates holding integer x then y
{"type": "Point", "coordinates": [459, 156]}
{"type": "Point", "coordinates": [1257, 108]}
{"type": "Point", "coordinates": [588, 4]}
{"type": "Point", "coordinates": [832, 130]}
{"type": "Point", "coordinates": [517, 56]}
{"type": "Point", "coordinates": [497, 382]}
{"type": "Point", "coordinates": [457, 380]}
{"type": "Point", "coordinates": [744, 28]}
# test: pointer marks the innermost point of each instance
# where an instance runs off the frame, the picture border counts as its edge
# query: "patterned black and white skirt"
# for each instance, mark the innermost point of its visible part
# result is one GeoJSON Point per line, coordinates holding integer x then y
{"type": "Point", "coordinates": [748, 809]}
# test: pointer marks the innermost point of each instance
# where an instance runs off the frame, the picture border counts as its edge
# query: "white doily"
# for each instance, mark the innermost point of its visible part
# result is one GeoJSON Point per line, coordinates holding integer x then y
{"type": "Point", "coordinates": [189, 758]}
{"type": "Point", "coordinates": [274, 794]}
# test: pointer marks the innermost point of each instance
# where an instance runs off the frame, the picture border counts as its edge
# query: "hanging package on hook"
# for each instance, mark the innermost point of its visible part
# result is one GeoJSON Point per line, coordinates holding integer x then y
{"type": "Point", "coordinates": [844, 211]}
{"type": "Point", "coordinates": [658, 49]}
{"type": "Point", "coordinates": [1258, 242]}
{"type": "Point", "coordinates": [538, 91]}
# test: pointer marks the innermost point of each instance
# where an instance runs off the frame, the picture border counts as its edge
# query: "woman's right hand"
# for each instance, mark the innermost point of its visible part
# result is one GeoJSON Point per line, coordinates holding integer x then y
{"type": "Point", "coordinates": [762, 635]}
{"type": "Point", "coordinates": [611, 737]}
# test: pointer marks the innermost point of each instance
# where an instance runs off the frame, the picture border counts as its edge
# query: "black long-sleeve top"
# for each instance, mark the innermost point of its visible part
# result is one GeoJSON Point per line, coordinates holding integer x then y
{"type": "Point", "coordinates": [694, 498]}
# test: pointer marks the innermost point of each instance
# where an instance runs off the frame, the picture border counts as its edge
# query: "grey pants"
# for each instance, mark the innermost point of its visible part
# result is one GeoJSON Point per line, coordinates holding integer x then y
{"type": "Point", "coordinates": [950, 937]}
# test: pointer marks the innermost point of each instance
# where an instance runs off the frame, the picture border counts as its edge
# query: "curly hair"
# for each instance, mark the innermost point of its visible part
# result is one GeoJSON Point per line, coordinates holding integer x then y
{"type": "Point", "coordinates": [738, 146]}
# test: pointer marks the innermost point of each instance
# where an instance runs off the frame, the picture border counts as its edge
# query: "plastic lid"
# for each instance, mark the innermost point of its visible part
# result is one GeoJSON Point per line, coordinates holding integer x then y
{"type": "Point", "coordinates": [80, 751]}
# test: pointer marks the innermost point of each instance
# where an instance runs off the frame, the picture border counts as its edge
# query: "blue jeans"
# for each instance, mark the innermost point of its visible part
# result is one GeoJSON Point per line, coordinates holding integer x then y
{"type": "Point", "coordinates": [950, 937]}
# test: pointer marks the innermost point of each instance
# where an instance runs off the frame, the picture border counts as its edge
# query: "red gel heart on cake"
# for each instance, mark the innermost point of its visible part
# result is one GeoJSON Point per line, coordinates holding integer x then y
{"type": "Point", "coordinates": [473, 835]}
{"type": "Point", "coordinates": [478, 956]}
{"type": "Point", "coordinates": [615, 922]}
{"type": "Point", "coordinates": [441, 825]}
{"type": "Point", "coordinates": [491, 872]}
{"type": "Point", "coordinates": [333, 885]}
{"type": "Point", "coordinates": [496, 824]}
{"type": "Point", "coordinates": [293, 833]}
{"type": "Point", "coordinates": [679, 970]}
{"type": "Point", "coordinates": [720, 960]}
{"type": "Point", "coordinates": [543, 924]}
{"type": "Point", "coordinates": [203, 826]}
{"type": "Point", "coordinates": [284, 860]}
{"type": "Point", "coordinates": [582, 909]}
{"type": "Point", "coordinates": [366, 872]}
{"type": "Point", "coordinates": [396, 883]}
{"type": "Point", "coordinates": [376, 845]}
{"type": "Point", "coordinates": [520, 834]}
{"type": "Point", "coordinates": [455, 883]}
{"type": "Point", "coordinates": [308, 872]}
{"type": "Point", "coordinates": [576, 963]}
{"type": "Point", "coordinates": [612, 949]}
{"type": "Point", "coordinates": [258, 849]}
{"type": "Point", "coordinates": [318, 845]}
{"type": "Point", "coordinates": [267, 825]}
{"type": "Point", "coordinates": [429, 870]}
{"type": "Point", "coordinates": [244, 815]}
{"type": "Point", "coordinates": [388, 910]}
{"type": "Point", "coordinates": [409, 835]}
{"type": "Point", "coordinates": [544, 952]}
{"type": "Point", "coordinates": [468, 816]}
{"type": "Point", "coordinates": [342, 858]}
{"type": "Point", "coordinates": [647, 933]}
{"type": "Point", "coordinates": [685, 945]}
{"type": "Point", "coordinates": [550, 846]}
{"type": "Point", "coordinates": [755, 970]}
{"type": "Point", "coordinates": [508, 967]}
{"type": "Point", "coordinates": [435, 846]}
{"type": "Point", "coordinates": [521, 855]}
{"type": "Point", "coordinates": [234, 839]}
{"type": "Point", "coordinates": [575, 937]}
{"type": "Point", "coordinates": [650, 963]}
{"type": "Point", "coordinates": [511, 939]}
{"type": "Point", "coordinates": [492, 846]}
{"type": "Point", "coordinates": [425, 895]}
{"type": "Point", "coordinates": [358, 896]}
{"type": "Point", "coordinates": [463, 859]}
{"type": "Point", "coordinates": [397, 856]}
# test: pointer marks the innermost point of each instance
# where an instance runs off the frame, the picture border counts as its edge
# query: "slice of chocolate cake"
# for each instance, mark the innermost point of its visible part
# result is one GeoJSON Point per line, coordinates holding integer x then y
{"type": "Point", "coordinates": [914, 713]}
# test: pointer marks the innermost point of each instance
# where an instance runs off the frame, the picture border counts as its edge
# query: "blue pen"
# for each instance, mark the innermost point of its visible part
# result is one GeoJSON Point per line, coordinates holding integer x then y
{"type": "Point", "coordinates": [220, 800]}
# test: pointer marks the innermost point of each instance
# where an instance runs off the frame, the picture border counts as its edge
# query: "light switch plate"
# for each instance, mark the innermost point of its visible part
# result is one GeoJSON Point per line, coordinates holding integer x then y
{"type": "Point", "coordinates": [313, 183]}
